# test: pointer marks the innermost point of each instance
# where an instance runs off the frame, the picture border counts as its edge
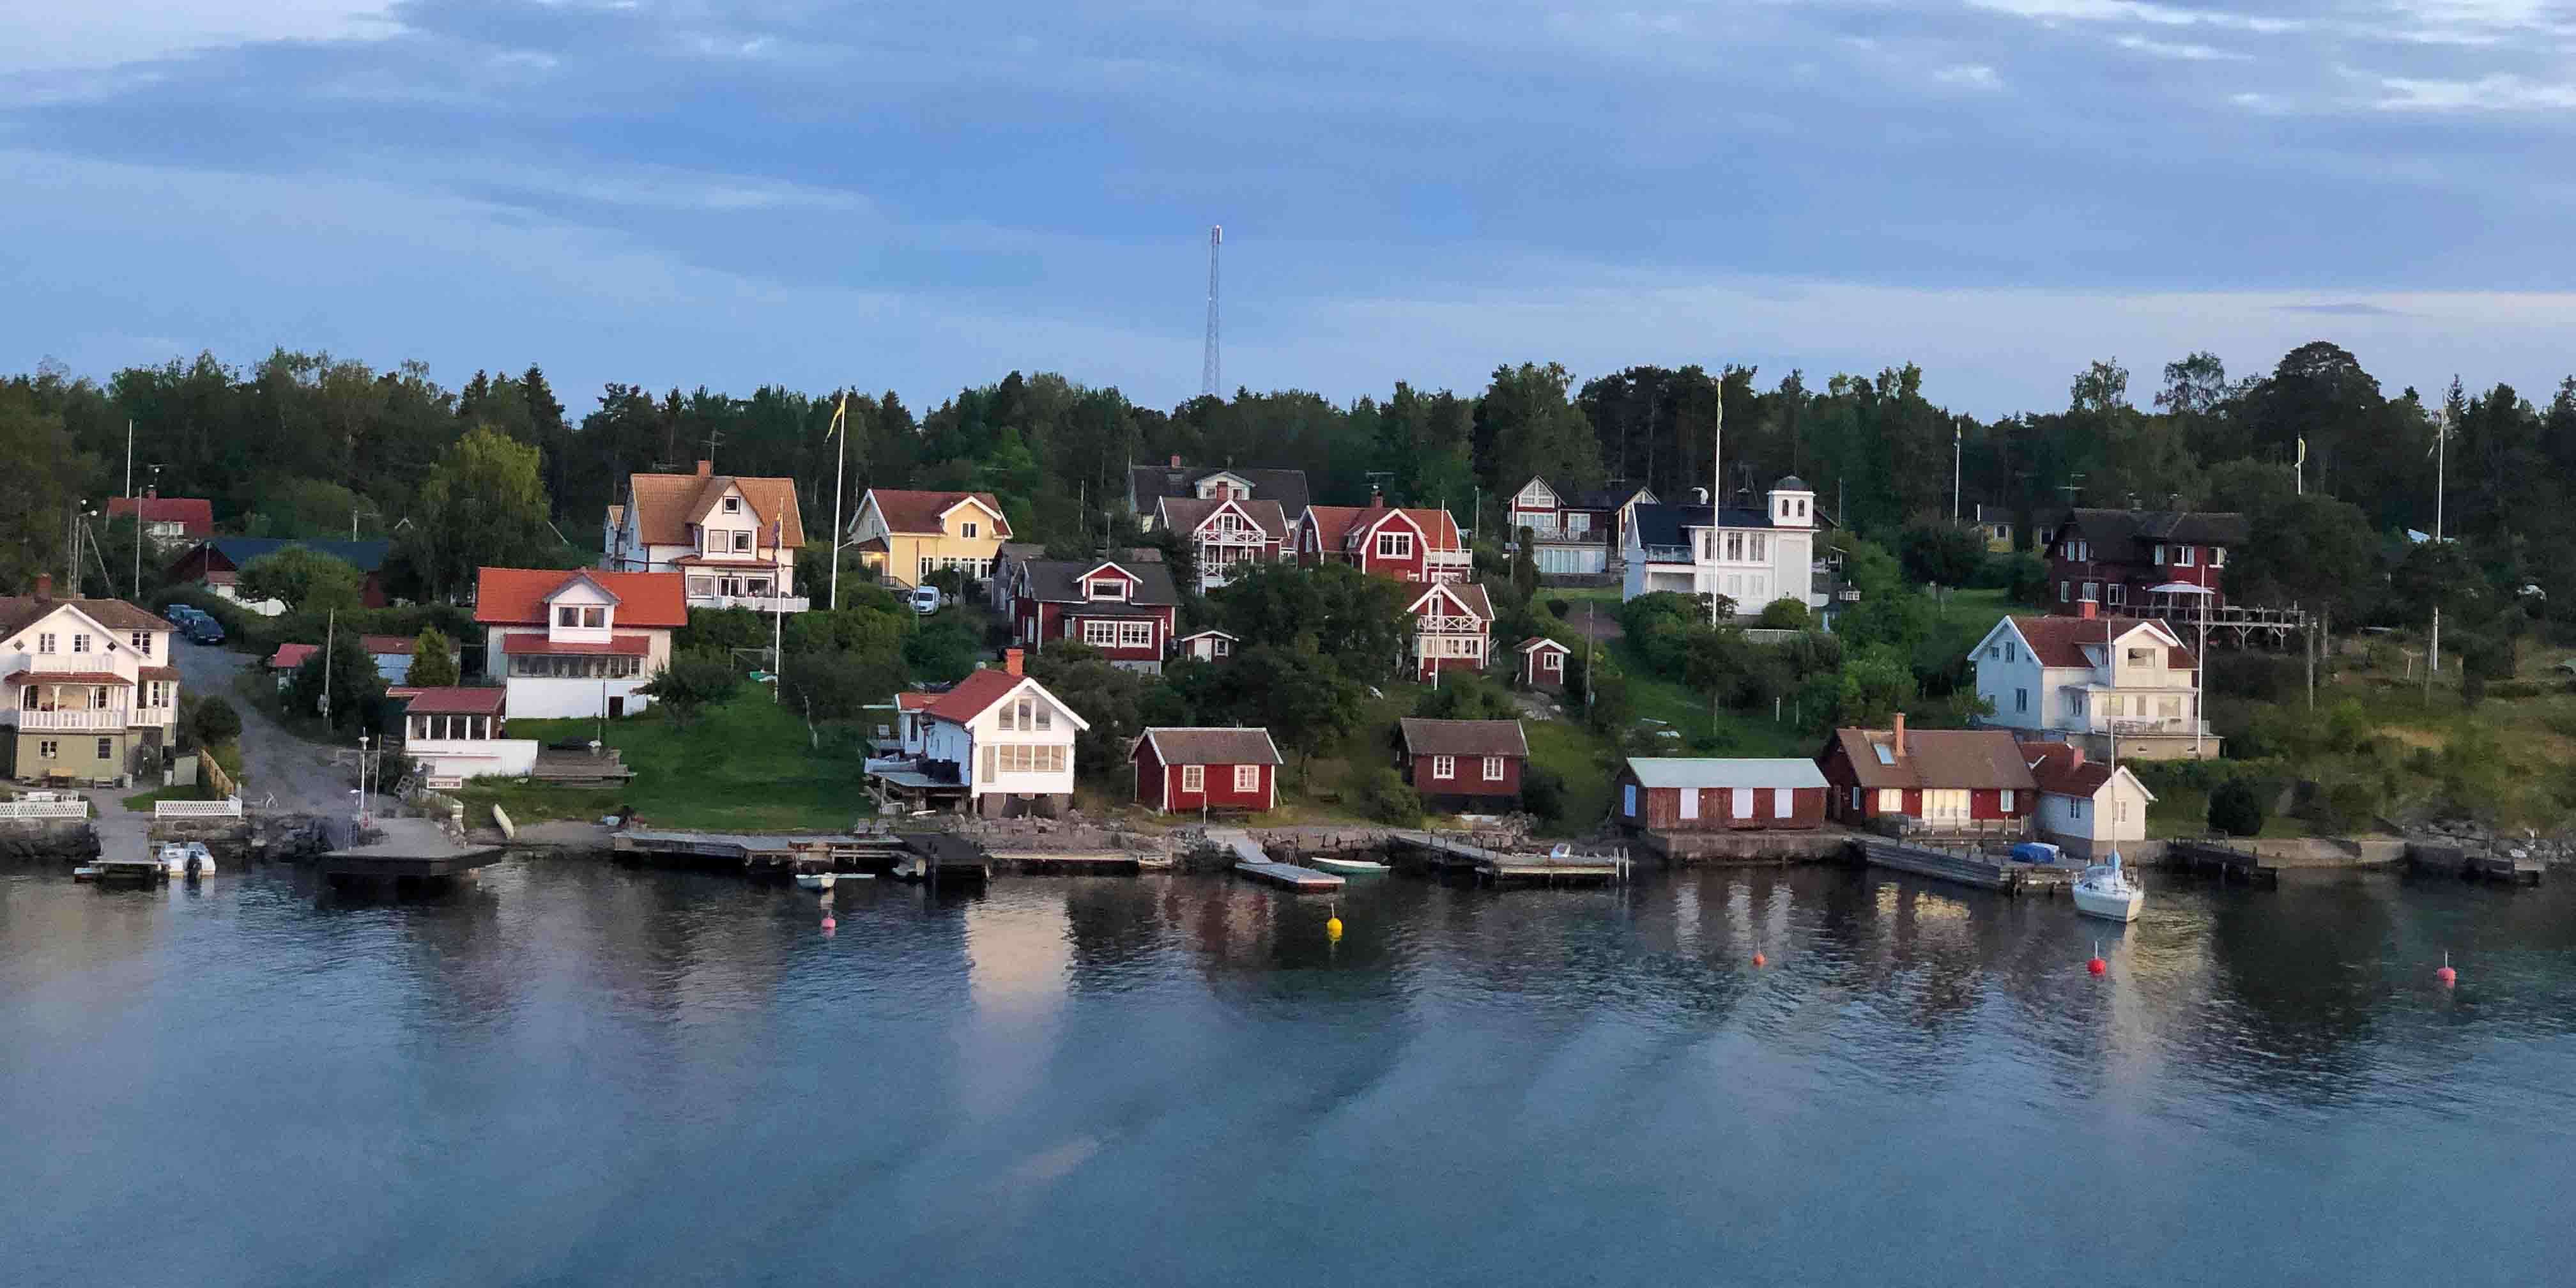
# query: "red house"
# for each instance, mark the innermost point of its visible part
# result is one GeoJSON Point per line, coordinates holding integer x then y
{"type": "Point", "coordinates": [167, 520]}
{"type": "Point", "coordinates": [1542, 663]}
{"type": "Point", "coordinates": [1406, 543]}
{"type": "Point", "coordinates": [1715, 794]}
{"type": "Point", "coordinates": [1947, 779]}
{"type": "Point", "coordinates": [1226, 769]}
{"type": "Point", "coordinates": [2123, 560]}
{"type": "Point", "coordinates": [1470, 765]}
{"type": "Point", "coordinates": [1453, 628]}
{"type": "Point", "coordinates": [1124, 608]}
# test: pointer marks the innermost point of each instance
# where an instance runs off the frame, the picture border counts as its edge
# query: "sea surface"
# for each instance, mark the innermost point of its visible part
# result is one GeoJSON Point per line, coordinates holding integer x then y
{"type": "Point", "coordinates": [574, 1073]}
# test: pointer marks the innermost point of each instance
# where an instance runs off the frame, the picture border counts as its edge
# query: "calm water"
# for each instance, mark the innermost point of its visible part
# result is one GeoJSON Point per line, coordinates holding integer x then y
{"type": "Point", "coordinates": [577, 1074]}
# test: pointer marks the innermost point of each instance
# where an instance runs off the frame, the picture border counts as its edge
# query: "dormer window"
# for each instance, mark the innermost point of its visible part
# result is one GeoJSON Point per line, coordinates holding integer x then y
{"type": "Point", "coordinates": [733, 505]}
{"type": "Point", "coordinates": [581, 616]}
{"type": "Point", "coordinates": [1107, 588]}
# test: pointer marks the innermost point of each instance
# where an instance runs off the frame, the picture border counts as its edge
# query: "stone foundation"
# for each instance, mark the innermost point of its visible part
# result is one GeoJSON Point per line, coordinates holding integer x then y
{"type": "Point", "coordinates": [1746, 848]}
{"type": "Point", "coordinates": [47, 840]}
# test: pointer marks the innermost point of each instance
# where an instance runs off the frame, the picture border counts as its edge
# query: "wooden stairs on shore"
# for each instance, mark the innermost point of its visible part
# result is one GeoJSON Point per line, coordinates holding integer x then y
{"type": "Point", "coordinates": [580, 768]}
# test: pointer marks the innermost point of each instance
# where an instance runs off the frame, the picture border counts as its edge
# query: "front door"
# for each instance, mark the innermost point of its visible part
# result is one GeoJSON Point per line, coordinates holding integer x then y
{"type": "Point", "coordinates": [616, 707]}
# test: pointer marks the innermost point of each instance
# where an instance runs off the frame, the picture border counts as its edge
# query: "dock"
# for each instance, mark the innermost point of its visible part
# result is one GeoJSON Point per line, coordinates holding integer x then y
{"type": "Point", "coordinates": [2499, 865]}
{"type": "Point", "coordinates": [941, 859]}
{"type": "Point", "coordinates": [1969, 867]}
{"type": "Point", "coordinates": [1500, 867]}
{"type": "Point", "coordinates": [1121, 863]}
{"type": "Point", "coordinates": [2226, 861]}
{"type": "Point", "coordinates": [1289, 876]}
{"type": "Point", "coordinates": [147, 868]}
{"type": "Point", "coordinates": [407, 849]}
{"type": "Point", "coordinates": [785, 854]}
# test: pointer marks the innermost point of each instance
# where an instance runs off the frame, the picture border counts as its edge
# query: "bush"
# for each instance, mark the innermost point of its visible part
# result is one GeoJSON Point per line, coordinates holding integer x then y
{"type": "Point", "coordinates": [693, 681]}
{"type": "Point", "coordinates": [1784, 614]}
{"type": "Point", "coordinates": [1558, 608]}
{"type": "Point", "coordinates": [1378, 792]}
{"type": "Point", "coordinates": [214, 721]}
{"type": "Point", "coordinates": [1542, 792]}
{"type": "Point", "coordinates": [2236, 808]}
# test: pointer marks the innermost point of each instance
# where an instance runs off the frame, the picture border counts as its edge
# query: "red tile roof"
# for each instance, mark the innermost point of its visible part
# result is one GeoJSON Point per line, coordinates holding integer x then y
{"type": "Point", "coordinates": [914, 701]}
{"type": "Point", "coordinates": [666, 504]}
{"type": "Point", "coordinates": [517, 596]}
{"type": "Point", "coordinates": [1337, 525]}
{"type": "Point", "coordinates": [974, 693]}
{"type": "Point", "coordinates": [388, 643]}
{"type": "Point", "coordinates": [2060, 641]}
{"type": "Point", "coordinates": [2062, 769]}
{"type": "Point", "coordinates": [289, 656]}
{"type": "Point", "coordinates": [534, 645]}
{"type": "Point", "coordinates": [914, 512]}
{"type": "Point", "coordinates": [195, 515]}
{"type": "Point", "coordinates": [457, 701]}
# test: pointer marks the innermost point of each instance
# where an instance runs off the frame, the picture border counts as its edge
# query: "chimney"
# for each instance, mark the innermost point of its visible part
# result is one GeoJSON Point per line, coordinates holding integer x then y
{"type": "Point", "coordinates": [2085, 608]}
{"type": "Point", "coordinates": [1377, 497]}
{"type": "Point", "coordinates": [2074, 755]}
{"type": "Point", "coordinates": [706, 468]}
{"type": "Point", "coordinates": [44, 585]}
{"type": "Point", "coordinates": [1176, 461]}
{"type": "Point", "coordinates": [151, 494]}
{"type": "Point", "coordinates": [1011, 660]}
{"type": "Point", "coordinates": [1900, 735]}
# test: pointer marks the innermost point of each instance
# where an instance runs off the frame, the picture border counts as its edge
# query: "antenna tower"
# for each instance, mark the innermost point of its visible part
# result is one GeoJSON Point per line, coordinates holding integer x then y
{"type": "Point", "coordinates": [1210, 377]}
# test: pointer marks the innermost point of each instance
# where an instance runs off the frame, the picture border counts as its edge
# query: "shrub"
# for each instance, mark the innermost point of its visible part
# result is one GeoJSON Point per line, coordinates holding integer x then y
{"type": "Point", "coordinates": [2236, 808]}
{"type": "Point", "coordinates": [1542, 792]}
{"type": "Point", "coordinates": [693, 681]}
{"type": "Point", "coordinates": [1784, 614]}
{"type": "Point", "coordinates": [214, 721]}
{"type": "Point", "coordinates": [1378, 792]}
{"type": "Point", "coordinates": [1558, 608]}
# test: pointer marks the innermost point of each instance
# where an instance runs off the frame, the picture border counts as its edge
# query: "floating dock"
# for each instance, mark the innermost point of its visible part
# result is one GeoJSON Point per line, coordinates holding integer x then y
{"type": "Point", "coordinates": [1289, 876]}
{"type": "Point", "coordinates": [1968, 867]}
{"type": "Point", "coordinates": [1122, 863]}
{"type": "Point", "coordinates": [2225, 861]}
{"type": "Point", "coordinates": [1499, 867]}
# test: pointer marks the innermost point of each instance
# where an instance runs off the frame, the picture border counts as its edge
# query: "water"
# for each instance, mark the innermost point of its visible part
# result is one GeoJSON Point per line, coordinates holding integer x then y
{"type": "Point", "coordinates": [578, 1074]}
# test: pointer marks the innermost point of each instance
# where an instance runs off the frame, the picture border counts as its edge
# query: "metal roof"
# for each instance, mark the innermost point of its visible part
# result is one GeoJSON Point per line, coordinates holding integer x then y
{"type": "Point", "coordinates": [1720, 771]}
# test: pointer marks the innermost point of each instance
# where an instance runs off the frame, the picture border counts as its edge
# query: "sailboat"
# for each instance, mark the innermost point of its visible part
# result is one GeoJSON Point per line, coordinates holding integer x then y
{"type": "Point", "coordinates": [2107, 890]}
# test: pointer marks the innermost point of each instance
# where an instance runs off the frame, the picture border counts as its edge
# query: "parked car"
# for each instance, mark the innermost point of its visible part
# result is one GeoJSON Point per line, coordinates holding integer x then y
{"type": "Point", "coordinates": [927, 599]}
{"type": "Point", "coordinates": [182, 614]}
{"type": "Point", "coordinates": [203, 630]}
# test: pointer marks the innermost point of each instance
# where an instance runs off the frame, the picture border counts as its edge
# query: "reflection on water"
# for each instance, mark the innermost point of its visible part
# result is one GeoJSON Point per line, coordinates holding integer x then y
{"type": "Point", "coordinates": [574, 1073]}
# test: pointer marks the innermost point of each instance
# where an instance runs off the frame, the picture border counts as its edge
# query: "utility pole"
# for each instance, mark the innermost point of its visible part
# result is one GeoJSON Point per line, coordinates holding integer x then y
{"type": "Point", "coordinates": [1716, 501]}
{"type": "Point", "coordinates": [840, 471]}
{"type": "Point", "coordinates": [1957, 440]}
{"type": "Point", "coordinates": [2441, 459]}
{"type": "Point", "coordinates": [330, 637]}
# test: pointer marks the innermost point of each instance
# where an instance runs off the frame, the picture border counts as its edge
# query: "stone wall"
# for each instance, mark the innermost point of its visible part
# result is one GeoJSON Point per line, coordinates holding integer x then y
{"type": "Point", "coordinates": [1695, 849]}
{"type": "Point", "coordinates": [47, 840]}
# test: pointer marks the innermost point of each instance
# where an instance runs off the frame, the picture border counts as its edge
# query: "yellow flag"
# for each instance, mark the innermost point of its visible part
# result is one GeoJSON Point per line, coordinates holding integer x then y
{"type": "Point", "coordinates": [838, 413]}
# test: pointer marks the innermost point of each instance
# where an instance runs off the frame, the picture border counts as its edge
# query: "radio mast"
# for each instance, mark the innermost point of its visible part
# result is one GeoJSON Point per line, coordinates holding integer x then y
{"type": "Point", "coordinates": [1210, 375]}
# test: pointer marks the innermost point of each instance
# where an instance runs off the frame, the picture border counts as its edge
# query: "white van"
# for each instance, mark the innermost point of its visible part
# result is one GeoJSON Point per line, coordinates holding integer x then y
{"type": "Point", "coordinates": [927, 599]}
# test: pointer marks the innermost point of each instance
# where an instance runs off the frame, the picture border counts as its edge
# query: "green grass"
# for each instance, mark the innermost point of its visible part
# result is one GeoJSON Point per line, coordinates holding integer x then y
{"type": "Point", "coordinates": [1581, 760]}
{"type": "Point", "coordinates": [1700, 722]}
{"type": "Point", "coordinates": [749, 765]}
{"type": "Point", "coordinates": [142, 802]}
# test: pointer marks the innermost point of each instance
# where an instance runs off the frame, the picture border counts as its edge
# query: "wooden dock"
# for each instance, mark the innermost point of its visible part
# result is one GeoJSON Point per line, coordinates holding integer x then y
{"type": "Point", "coordinates": [1289, 876]}
{"type": "Point", "coordinates": [763, 853]}
{"type": "Point", "coordinates": [2471, 861]}
{"type": "Point", "coordinates": [941, 859]}
{"type": "Point", "coordinates": [2224, 860]}
{"type": "Point", "coordinates": [1119, 863]}
{"type": "Point", "coordinates": [1968, 867]}
{"type": "Point", "coordinates": [1499, 867]}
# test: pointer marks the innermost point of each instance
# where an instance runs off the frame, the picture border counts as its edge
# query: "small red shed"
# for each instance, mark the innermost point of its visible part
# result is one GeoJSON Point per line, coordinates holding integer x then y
{"type": "Point", "coordinates": [1471, 765]}
{"type": "Point", "coordinates": [1713, 794]}
{"type": "Point", "coordinates": [1203, 768]}
{"type": "Point", "coordinates": [1543, 663]}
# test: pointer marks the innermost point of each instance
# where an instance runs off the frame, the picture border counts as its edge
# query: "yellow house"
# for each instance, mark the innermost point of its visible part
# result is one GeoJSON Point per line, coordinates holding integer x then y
{"type": "Point", "coordinates": [906, 536]}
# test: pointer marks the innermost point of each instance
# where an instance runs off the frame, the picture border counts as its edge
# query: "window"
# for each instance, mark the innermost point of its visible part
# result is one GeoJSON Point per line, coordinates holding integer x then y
{"type": "Point", "coordinates": [2012, 651]}
{"type": "Point", "coordinates": [969, 529]}
{"type": "Point", "coordinates": [1855, 798]}
{"type": "Point", "coordinates": [2169, 708]}
{"type": "Point", "coordinates": [2004, 800]}
{"type": "Point", "coordinates": [80, 643]}
{"type": "Point", "coordinates": [45, 642]}
{"type": "Point", "coordinates": [1950, 804]}
{"type": "Point", "coordinates": [594, 617]}
{"type": "Point", "coordinates": [742, 543]}
{"type": "Point", "coordinates": [1628, 799]}
{"type": "Point", "coordinates": [1107, 588]}
{"type": "Point", "coordinates": [2061, 593]}
{"type": "Point", "coordinates": [1099, 632]}
{"type": "Point", "coordinates": [142, 641]}
{"type": "Point", "coordinates": [2093, 590]}
{"type": "Point", "coordinates": [107, 751]}
{"type": "Point", "coordinates": [2075, 807]}
{"type": "Point", "coordinates": [2021, 700]}
{"type": "Point", "coordinates": [1551, 661]}
{"type": "Point", "coordinates": [1193, 778]}
{"type": "Point", "coordinates": [702, 585]}
{"type": "Point", "coordinates": [2119, 592]}
{"type": "Point", "coordinates": [48, 749]}
{"type": "Point", "coordinates": [1023, 758]}
{"type": "Point", "coordinates": [2218, 556]}
{"type": "Point", "coordinates": [1734, 546]}
{"type": "Point", "coordinates": [1222, 647]}
{"type": "Point", "coordinates": [1493, 769]}
{"type": "Point", "coordinates": [733, 505]}
{"type": "Point", "coordinates": [1444, 766]}
{"type": "Point", "coordinates": [1247, 778]}
{"type": "Point", "coordinates": [2182, 556]}
{"type": "Point", "coordinates": [1395, 545]}
{"type": "Point", "coordinates": [1690, 802]}
{"type": "Point", "coordinates": [1783, 802]}
{"type": "Point", "coordinates": [1756, 546]}
{"type": "Point", "coordinates": [756, 586]}
{"type": "Point", "coordinates": [2122, 817]}
{"type": "Point", "coordinates": [2160, 554]}
{"type": "Point", "coordinates": [1886, 754]}
{"type": "Point", "coordinates": [1891, 800]}
{"type": "Point", "coordinates": [567, 615]}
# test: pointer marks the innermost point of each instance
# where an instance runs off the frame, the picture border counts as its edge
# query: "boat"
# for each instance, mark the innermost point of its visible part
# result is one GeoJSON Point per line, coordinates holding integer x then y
{"type": "Point", "coordinates": [1351, 867]}
{"type": "Point", "coordinates": [189, 859]}
{"type": "Point", "coordinates": [84, 873]}
{"type": "Point", "coordinates": [817, 880]}
{"type": "Point", "coordinates": [2106, 890]}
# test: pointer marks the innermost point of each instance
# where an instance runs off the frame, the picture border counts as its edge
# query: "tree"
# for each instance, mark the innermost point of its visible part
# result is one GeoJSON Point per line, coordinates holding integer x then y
{"type": "Point", "coordinates": [483, 506]}
{"type": "Point", "coordinates": [1462, 696]}
{"type": "Point", "coordinates": [693, 681]}
{"type": "Point", "coordinates": [1105, 695]}
{"type": "Point", "coordinates": [302, 507]}
{"type": "Point", "coordinates": [1787, 613]}
{"type": "Point", "coordinates": [2309, 550]}
{"type": "Point", "coordinates": [433, 660]}
{"type": "Point", "coordinates": [1301, 697]}
{"type": "Point", "coordinates": [304, 579]}
{"type": "Point", "coordinates": [347, 675]}
{"type": "Point", "coordinates": [1353, 621]}
{"type": "Point", "coordinates": [1939, 553]}
{"type": "Point", "coordinates": [214, 722]}
{"type": "Point", "coordinates": [1525, 564]}
{"type": "Point", "coordinates": [2236, 808]}
{"type": "Point", "coordinates": [45, 475]}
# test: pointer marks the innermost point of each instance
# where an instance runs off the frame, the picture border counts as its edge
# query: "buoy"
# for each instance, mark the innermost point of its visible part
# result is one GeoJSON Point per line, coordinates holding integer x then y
{"type": "Point", "coordinates": [1759, 959]}
{"type": "Point", "coordinates": [829, 925]}
{"type": "Point", "coordinates": [2097, 965]}
{"type": "Point", "coordinates": [1332, 927]}
{"type": "Point", "coordinates": [2446, 977]}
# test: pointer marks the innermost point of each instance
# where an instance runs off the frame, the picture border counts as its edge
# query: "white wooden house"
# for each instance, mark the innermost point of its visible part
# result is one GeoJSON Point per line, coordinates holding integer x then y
{"type": "Point", "coordinates": [2090, 679]}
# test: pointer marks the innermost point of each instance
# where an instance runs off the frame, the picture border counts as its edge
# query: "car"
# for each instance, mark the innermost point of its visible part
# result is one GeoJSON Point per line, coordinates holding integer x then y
{"type": "Point", "coordinates": [203, 630]}
{"type": "Point", "coordinates": [181, 614]}
{"type": "Point", "coordinates": [927, 599]}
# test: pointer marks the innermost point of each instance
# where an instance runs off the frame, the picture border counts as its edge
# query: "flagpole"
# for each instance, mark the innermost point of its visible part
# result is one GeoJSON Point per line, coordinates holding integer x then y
{"type": "Point", "coordinates": [841, 454]}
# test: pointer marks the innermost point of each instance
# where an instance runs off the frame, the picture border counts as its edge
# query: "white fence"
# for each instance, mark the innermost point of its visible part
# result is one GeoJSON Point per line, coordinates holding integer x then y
{"type": "Point", "coordinates": [44, 809]}
{"type": "Point", "coordinates": [229, 807]}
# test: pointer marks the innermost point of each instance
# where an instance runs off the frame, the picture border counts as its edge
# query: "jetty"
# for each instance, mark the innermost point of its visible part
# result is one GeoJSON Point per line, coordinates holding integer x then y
{"type": "Point", "coordinates": [765, 854]}
{"type": "Point", "coordinates": [405, 849]}
{"type": "Point", "coordinates": [1250, 860]}
{"type": "Point", "coordinates": [1507, 867]}
{"type": "Point", "coordinates": [2225, 860]}
{"type": "Point", "coordinates": [2498, 864]}
{"type": "Point", "coordinates": [939, 858]}
{"type": "Point", "coordinates": [1122, 863]}
{"type": "Point", "coordinates": [1968, 866]}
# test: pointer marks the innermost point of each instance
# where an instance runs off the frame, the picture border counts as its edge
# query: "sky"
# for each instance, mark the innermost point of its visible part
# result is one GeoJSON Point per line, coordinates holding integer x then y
{"type": "Point", "coordinates": [924, 197]}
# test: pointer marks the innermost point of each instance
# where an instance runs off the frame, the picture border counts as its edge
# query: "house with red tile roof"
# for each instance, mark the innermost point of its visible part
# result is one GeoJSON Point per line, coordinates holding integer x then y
{"type": "Point", "coordinates": [460, 733]}
{"type": "Point", "coordinates": [733, 537]}
{"type": "Point", "coordinates": [168, 521]}
{"type": "Point", "coordinates": [576, 643]}
{"type": "Point", "coordinates": [2089, 680]}
{"type": "Point", "coordinates": [997, 744]}
{"type": "Point", "coordinates": [2087, 806]}
{"type": "Point", "coordinates": [1408, 543]}
{"type": "Point", "coordinates": [87, 689]}
{"type": "Point", "coordinates": [908, 535]}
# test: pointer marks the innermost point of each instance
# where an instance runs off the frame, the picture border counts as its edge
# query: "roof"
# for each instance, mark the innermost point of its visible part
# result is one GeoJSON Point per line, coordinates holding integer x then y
{"type": "Point", "coordinates": [1939, 759]}
{"type": "Point", "coordinates": [367, 556]}
{"type": "Point", "coordinates": [1197, 635]}
{"type": "Point", "coordinates": [666, 504]}
{"type": "Point", "coordinates": [1059, 581]}
{"type": "Point", "coordinates": [1669, 525]}
{"type": "Point", "coordinates": [18, 612]}
{"type": "Point", "coordinates": [453, 701]}
{"type": "Point", "coordinates": [289, 656]}
{"type": "Point", "coordinates": [68, 677]}
{"type": "Point", "coordinates": [2061, 641]}
{"type": "Point", "coordinates": [2192, 527]}
{"type": "Point", "coordinates": [2063, 770]}
{"type": "Point", "coordinates": [1020, 550]}
{"type": "Point", "coordinates": [532, 644]}
{"type": "Point", "coordinates": [389, 643]}
{"type": "Point", "coordinates": [1185, 513]}
{"type": "Point", "coordinates": [517, 596]}
{"type": "Point", "coordinates": [1791, 483]}
{"type": "Point", "coordinates": [157, 673]}
{"type": "Point", "coordinates": [1147, 483]}
{"type": "Point", "coordinates": [909, 511]}
{"type": "Point", "coordinates": [1536, 642]}
{"type": "Point", "coordinates": [195, 515]}
{"type": "Point", "coordinates": [1212, 746]}
{"type": "Point", "coordinates": [911, 701]}
{"type": "Point", "coordinates": [1463, 737]}
{"type": "Point", "coordinates": [1337, 526]}
{"type": "Point", "coordinates": [981, 690]}
{"type": "Point", "coordinates": [1724, 771]}
{"type": "Point", "coordinates": [1472, 594]}
{"type": "Point", "coordinates": [1607, 496]}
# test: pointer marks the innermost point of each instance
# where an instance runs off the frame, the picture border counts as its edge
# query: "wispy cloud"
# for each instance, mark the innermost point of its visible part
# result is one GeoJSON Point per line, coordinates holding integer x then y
{"type": "Point", "coordinates": [1969, 76]}
{"type": "Point", "coordinates": [2184, 51]}
{"type": "Point", "coordinates": [2495, 92]}
{"type": "Point", "coordinates": [109, 33]}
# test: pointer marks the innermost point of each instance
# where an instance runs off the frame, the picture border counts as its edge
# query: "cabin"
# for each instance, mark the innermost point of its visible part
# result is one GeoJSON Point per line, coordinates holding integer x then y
{"type": "Point", "coordinates": [169, 522]}
{"type": "Point", "coordinates": [1947, 780]}
{"type": "Point", "coordinates": [1542, 663]}
{"type": "Point", "coordinates": [1467, 766]}
{"type": "Point", "coordinates": [2087, 806]}
{"type": "Point", "coordinates": [997, 743]}
{"type": "Point", "coordinates": [1207, 646]}
{"type": "Point", "coordinates": [460, 733]}
{"type": "Point", "coordinates": [1453, 628]}
{"type": "Point", "coordinates": [1719, 794]}
{"type": "Point", "coordinates": [1125, 607]}
{"type": "Point", "coordinates": [1182, 769]}
{"type": "Point", "coordinates": [1406, 543]}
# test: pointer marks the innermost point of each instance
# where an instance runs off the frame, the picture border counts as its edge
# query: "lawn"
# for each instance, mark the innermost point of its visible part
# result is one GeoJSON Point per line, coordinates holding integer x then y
{"type": "Point", "coordinates": [142, 802]}
{"type": "Point", "coordinates": [1700, 722]}
{"type": "Point", "coordinates": [748, 765]}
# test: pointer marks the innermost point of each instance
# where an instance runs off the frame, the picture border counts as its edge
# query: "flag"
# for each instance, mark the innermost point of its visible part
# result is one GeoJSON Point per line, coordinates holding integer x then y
{"type": "Point", "coordinates": [838, 415]}
{"type": "Point", "coordinates": [2303, 449]}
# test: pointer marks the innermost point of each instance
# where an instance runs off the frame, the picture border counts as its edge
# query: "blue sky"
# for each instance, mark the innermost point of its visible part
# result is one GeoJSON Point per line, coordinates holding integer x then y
{"type": "Point", "coordinates": [918, 197]}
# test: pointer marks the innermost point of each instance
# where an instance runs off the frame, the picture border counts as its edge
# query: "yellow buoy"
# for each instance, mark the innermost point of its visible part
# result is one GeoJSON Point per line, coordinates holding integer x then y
{"type": "Point", "coordinates": [1332, 928]}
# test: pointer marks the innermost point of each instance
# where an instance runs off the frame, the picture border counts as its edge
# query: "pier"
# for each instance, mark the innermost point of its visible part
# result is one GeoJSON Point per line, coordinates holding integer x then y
{"type": "Point", "coordinates": [1499, 867]}
{"type": "Point", "coordinates": [1968, 866]}
{"type": "Point", "coordinates": [2499, 865]}
{"type": "Point", "coordinates": [765, 854]}
{"type": "Point", "coordinates": [941, 859]}
{"type": "Point", "coordinates": [2226, 861]}
{"type": "Point", "coordinates": [1288, 876]}
{"type": "Point", "coordinates": [407, 849]}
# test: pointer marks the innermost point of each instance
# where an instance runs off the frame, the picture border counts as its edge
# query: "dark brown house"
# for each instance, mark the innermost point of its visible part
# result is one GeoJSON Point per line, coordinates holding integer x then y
{"type": "Point", "coordinates": [1957, 779]}
{"type": "Point", "coordinates": [1464, 765]}
{"type": "Point", "coordinates": [1711, 794]}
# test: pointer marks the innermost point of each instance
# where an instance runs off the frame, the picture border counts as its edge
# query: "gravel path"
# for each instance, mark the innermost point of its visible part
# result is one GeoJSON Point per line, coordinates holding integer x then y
{"type": "Point", "coordinates": [301, 775]}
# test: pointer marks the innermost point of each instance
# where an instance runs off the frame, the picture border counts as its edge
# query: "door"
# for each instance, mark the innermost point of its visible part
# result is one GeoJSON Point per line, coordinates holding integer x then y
{"type": "Point", "coordinates": [1783, 802]}
{"type": "Point", "coordinates": [616, 707]}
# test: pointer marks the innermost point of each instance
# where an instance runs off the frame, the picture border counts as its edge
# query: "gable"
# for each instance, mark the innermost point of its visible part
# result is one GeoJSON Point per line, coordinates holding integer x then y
{"type": "Point", "coordinates": [1536, 493]}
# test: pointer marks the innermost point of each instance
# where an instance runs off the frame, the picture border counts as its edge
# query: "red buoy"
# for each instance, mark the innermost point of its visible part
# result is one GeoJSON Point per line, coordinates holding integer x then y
{"type": "Point", "coordinates": [2446, 977]}
{"type": "Point", "coordinates": [2097, 965]}
{"type": "Point", "coordinates": [829, 925]}
{"type": "Point", "coordinates": [1760, 960]}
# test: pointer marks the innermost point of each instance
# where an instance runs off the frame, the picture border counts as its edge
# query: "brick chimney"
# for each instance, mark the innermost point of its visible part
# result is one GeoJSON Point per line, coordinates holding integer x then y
{"type": "Point", "coordinates": [1377, 497]}
{"type": "Point", "coordinates": [1176, 461]}
{"type": "Point", "coordinates": [2075, 755]}
{"type": "Point", "coordinates": [2086, 608]}
{"type": "Point", "coordinates": [706, 469]}
{"type": "Point", "coordinates": [1011, 660]}
{"type": "Point", "coordinates": [44, 585]}
{"type": "Point", "coordinates": [1900, 735]}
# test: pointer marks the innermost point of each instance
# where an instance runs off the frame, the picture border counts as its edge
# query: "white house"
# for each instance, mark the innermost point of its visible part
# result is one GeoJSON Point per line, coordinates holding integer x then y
{"type": "Point", "coordinates": [89, 692]}
{"type": "Point", "coordinates": [578, 643]}
{"type": "Point", "coordinates": [458, 733]}
{"type": "Point", "coordinates": [1750, 556]}
{"type": "Point", "coordinates": [1003, 738]}
{"type": "Point", "coordinates": [2089, 679]}
{"type": "Point", "coordinates": [2086, 806]}
{"type": "Point", "coordinates": [735, 539]}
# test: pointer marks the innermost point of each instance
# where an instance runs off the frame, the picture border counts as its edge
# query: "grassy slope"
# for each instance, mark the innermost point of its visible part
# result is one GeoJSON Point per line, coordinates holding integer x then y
{"type": "Point", "coordinates": [747, 765]}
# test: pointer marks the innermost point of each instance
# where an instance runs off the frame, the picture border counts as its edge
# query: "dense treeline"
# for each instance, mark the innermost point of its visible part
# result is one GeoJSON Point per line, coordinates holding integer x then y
{"type": "Point", "coordinates": [311, 444]}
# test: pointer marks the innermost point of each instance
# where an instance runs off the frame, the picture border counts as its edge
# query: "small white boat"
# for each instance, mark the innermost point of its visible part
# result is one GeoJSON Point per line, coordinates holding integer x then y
{"type": "Point", "coordinates": [817, 880]}
{"type": "Point", "coordinates": [191, 859]}
{"type": "Point", "coordinates": [1355, 867]}
{"type": "Point", "coordinates": [85, 873]}
{"type": "Point", "coordinates": [2107, 890]}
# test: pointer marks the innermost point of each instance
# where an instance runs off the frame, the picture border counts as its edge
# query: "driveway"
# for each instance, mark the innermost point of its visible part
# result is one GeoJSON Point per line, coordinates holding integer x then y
{"type": "Point", "coordinates": [300, 774]}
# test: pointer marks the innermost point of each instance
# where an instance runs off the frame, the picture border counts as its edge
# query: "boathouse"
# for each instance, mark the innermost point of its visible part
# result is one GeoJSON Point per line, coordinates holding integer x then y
{"type": "Point", "coordinates": [1954, 780]}
{"type": "Point", "coordinates": [1708, 794]}
{"type": "Point", "coordinates": [1463, 765]}
{"type": "Point", "coordinates": [2086, 806]}
{"type": "Point", "coordinates": [1180, 769]}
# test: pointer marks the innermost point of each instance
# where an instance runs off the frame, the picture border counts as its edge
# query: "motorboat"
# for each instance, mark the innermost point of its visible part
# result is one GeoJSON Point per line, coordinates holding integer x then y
{"type": "Point", "coordinates": [2107, 890]}
{"type": "Point", "coordinates": [817, 880]}
{"type": "Point", "coordinates": [187, 859]}
{"type": "Point", "coordinates": [1350, 867]}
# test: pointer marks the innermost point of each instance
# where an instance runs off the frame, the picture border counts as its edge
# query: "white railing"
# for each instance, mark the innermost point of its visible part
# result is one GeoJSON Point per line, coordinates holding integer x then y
{"type": "Point", "coordinates": [1448, 624]}
{"type": "Point", "coordinates": [757, 603]}
{"type": "Point", "coordinates": [61, 663]}
{"type": "Point", "coordinates": [229, 807]}
{"type": "Point", "coordinates": [44, 809]}
{"type": "Point", "coordinates": [102, 719]}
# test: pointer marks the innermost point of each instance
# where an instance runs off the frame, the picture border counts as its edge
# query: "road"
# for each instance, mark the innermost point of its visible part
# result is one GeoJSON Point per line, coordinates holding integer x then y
{"type": "Point", "coordinates": [300, 774]}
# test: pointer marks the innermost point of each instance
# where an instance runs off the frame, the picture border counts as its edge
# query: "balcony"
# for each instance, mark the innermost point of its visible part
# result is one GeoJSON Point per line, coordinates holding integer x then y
{"type": "Point", "coordinates": [756, 603]}
{"type": "Point", "coordinates": [1449, 624]}
{"type": "Point", "coordinates": [1666, 554]}
{"type": "Point", "coordinates": [97, 720]}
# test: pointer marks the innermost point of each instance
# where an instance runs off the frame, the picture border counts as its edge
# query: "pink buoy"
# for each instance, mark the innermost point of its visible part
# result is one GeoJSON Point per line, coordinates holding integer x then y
{"type": "Point", "coordinates": [829, 925]}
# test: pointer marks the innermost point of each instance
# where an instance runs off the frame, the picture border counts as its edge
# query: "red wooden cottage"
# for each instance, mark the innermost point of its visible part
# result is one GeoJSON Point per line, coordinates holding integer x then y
{"type": "Point", "coordinates": [1542, 663]}
{"type": "Point", "coordinates": [1209, 645]}
{"type": "Point", "coordinates": [1406, 543]}
{"type": "Point", "coordinates": [1123, 607]}
{"type": "Point", "coordinates": [1180, 769]}
{"type": "Point", "coordinates": [1469, 765]}
{"type": "Point", "coordinates": [1945, 779]}
{"type": "Point", "coordinates": [1712, 794]}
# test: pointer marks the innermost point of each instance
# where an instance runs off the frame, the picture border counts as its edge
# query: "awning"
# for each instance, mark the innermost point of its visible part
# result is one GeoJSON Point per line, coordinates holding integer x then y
{"type": "Point", "coordinates": [2180, 588]}
{"type": "Point", "coordinates": [67, 677]}
{"type": "Point", "coordinates": [532, 645]}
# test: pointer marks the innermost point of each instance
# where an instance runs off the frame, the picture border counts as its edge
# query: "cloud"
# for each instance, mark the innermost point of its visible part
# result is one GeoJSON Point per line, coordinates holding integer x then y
{"type": "Point", "coordinates": [2495, 92]}
{"type": "Point", "coordinates": [1969, 76]}
{"type": "Point", "coordinates": [2186, 52]}
{"type": "Point", "coordinates": [2133, 11]}
{"type": "Point", "coordinates": [83, 34]}
{"type": "Point", "coordinates": [2344, 310]}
